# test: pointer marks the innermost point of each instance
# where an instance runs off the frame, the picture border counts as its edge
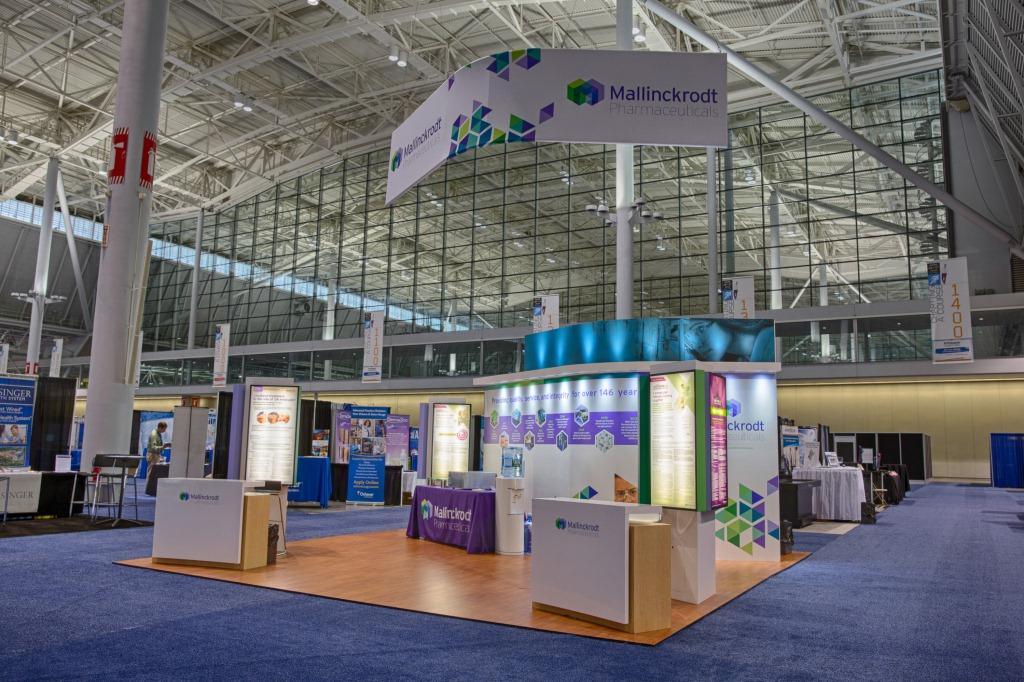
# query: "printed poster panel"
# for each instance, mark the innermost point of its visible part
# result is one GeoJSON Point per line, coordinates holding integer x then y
{"type": "Point", "coordinates": [221, 347]}
{"type": "Point", "coordinates": [673, 441]}
{"type": "Point", "coordinates": [790, 446]}
{"type": "Point", "coordinates": [398, 439]}
{"type": "Point", "coordinates": [449, 444]}
{"type": "Point", "coordinates": [738, 298]}
{"type": "Point", "coordinates": [373, 347]}
{"type": "Point", "coordinates": [270, 448]}
{"type": "Point", "coordinates": [17, 401]}
{"type": "Point", "coordinates": [949, 303]}
{"type": "Point", "coordinates": [719, 440]}
{"type": "Point", "coordinates": [342, 433]}
{"type": "Point", "coordinates": [554, 95]}
{"type": "Point", "coordinates": [368, 432]}
{"type": "Point", "coordinates": [580, 437]}
{"type": "Point", "coordinates": [321, 442]}
{"type": "Point", "coordinates": [365, 479]}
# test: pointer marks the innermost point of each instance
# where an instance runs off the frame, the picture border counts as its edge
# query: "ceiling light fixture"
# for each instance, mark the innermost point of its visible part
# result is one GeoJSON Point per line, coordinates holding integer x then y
{"type": "Point", "coordinates": [312, 3]}
{"type": "Point", "coordinates": [403, 59]}
{"type": "Point", "coordinates": [12, 137]}
{"type": "Point", "coordinates": [640, 35]}
{"type": "Point", "coordinates": [636, 24]}
{"type": "Point", "coordinates": [239, 101]}
{"type": "Point", "coordinates": [247, 106]}
{"type": "Point", "coordinates": [393, 55]}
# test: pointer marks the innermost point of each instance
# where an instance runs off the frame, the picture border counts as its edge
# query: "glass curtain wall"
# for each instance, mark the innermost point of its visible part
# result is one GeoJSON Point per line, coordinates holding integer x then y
{"type": "Point", "coordinates": [812, 219]}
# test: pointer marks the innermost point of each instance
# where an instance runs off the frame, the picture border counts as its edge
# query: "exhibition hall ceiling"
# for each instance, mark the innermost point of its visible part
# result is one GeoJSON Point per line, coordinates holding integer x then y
{"type": "Point", "coordinates": [315, 81]}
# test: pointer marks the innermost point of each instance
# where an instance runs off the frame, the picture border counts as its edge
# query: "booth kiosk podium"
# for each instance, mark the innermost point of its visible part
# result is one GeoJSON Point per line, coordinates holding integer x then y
{"type": "Point", "coordinates": [509, 526]}
{"type": "Point", "coordinates": [589, 562]}
{"type": "Point", "coordinates": [211, 522]}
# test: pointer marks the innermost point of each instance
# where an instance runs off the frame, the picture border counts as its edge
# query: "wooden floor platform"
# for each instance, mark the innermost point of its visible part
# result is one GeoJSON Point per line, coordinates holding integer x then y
{"type": "Point", "coordinates": [388, 569]}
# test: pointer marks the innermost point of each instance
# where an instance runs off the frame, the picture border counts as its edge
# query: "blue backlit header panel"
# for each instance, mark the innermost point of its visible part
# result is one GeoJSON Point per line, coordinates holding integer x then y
{"type": "Point", "coordinates": [654, 339]}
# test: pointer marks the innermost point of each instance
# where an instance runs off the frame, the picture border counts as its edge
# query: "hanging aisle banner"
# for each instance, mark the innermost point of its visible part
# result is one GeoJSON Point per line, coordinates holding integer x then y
{"type": "Point", "coordinates": [56, 355]}
{"type": "Point", "coordinates": [542, 95]}
{"type": "Point", "coordinates": [949, 303]}
{"type": "Point", "coordinates": [221, 344]}
{"type": "Point", "coordinates": [373, 347]}
{"type": "Point", "coordinates": [17, 401]}
{"type": "Point", "coordinates": [5, 354]}
{"type": "Point", "coordinates": [545, 312]}
{"type": "Point", "coordinates": [738, 298]}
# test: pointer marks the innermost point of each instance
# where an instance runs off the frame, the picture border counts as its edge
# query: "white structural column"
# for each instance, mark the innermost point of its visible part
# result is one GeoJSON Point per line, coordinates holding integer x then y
{"type": "Point", "coordinates": [774, 252]}
{"type": "Point", "coordinates": [37, 296]}
{"type": "Point", "coordinates": [123, 267]}
{"type": "Point", "coordinates": [803, 104]}
{"type": "Point", "coordinates": [623, 186]}
{"type": "Point", "coordinates": [712, 231]}
{"type": "Point", "coordinates": [193, 304]}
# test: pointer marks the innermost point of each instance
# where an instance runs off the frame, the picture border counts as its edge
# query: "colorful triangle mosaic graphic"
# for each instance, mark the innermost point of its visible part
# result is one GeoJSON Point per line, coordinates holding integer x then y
{"type": "Point", "coordinates": [524, 59]}
{"type": "Point", "coordinates": [586, 494]}
{"type": "Point", "coordinates": [742, 522]}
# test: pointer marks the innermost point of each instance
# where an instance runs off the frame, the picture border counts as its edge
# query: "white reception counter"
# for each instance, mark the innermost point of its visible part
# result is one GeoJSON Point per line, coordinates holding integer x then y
{"type": "Point", "coordinates": [210, 522]}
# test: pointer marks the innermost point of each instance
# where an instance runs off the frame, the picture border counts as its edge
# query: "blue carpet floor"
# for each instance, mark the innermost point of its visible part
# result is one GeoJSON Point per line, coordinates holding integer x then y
{"type": "Point", "coordinates": [932, 592]}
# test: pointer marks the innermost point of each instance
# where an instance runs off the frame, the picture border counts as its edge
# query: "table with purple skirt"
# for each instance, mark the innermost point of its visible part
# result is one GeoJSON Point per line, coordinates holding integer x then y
{"type": "Point", "coordinates": [464, 518]}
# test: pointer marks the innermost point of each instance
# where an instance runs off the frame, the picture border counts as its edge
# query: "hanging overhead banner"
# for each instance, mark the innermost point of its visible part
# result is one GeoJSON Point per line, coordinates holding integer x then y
{"type": "Point", "coordinates": [949, 303]}
{"type": "Point", "coordinates": [373, 347]}
{"type": "Point", "coordinates": [738, 298]}
{"type": "Point", "coordinates": [545, 312]}
{"type": "Point", "coordinates": [221, 346]}
{"type": "Point", "coordinates": [5, 355]}
{"type": "Point", "coordinates": [56, 355]}
{"type": "Point", "coordinates": [541, 95]}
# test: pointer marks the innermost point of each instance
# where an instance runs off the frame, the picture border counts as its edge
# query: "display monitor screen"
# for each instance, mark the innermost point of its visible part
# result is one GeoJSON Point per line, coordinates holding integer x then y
{"type": "Point", "coordinates": [719, 438]}
{"type": "Point", "coordinates": [449, 446]}
{"type": "Point", "coordinates": [270, 446]}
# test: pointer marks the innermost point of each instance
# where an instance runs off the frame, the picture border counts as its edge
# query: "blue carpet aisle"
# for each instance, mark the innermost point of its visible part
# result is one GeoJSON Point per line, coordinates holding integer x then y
{"type": "Point", "coordinates": [932, 591]}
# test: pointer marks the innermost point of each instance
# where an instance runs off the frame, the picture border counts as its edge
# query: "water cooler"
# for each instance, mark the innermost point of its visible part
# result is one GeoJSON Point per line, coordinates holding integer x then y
{"type": "Point", "coordinates": [510, 496]}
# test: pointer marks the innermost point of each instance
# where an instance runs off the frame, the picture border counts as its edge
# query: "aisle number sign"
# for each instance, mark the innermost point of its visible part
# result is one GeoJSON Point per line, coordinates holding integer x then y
{"type": "Point", "coordinates": [373, 347]}
{"type": "Point", "coordinates": [738, 298]}
{"type": "Point", "coordinates": [949, 304]}
{"type": "Point", "coordinates": [545, 312]}
{"type": "Point", "coordinates": [221, 346]}
{"type": "Point", "coordinates": [56, 354]}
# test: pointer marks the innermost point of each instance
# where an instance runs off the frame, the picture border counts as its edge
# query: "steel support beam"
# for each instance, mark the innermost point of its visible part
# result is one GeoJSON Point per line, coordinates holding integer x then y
{"type": "Point", "coordinates": [739, 63]}
{"type": "Point", "coordinates": [42, 277]}
{"type": "Point", "coordinates": [76, 267]}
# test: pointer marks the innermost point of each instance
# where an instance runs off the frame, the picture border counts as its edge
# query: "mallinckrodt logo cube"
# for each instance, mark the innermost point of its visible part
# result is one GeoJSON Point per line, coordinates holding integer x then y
{"type": "Point", "coordinates": [585, 92]}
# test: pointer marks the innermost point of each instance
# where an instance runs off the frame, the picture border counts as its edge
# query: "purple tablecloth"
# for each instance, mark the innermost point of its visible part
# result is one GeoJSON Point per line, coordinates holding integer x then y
{"type": "Point", "coordinates": [464, 518]}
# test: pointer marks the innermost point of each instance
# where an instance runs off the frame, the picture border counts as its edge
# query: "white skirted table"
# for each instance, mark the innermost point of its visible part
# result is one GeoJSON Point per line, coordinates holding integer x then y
{"type": "Point", "coordinates": [841, 492]}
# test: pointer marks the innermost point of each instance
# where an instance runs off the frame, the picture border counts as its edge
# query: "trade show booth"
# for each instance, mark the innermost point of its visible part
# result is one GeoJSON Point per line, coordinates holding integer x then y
{"type": "Point", "coordinates": [650, 469]}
